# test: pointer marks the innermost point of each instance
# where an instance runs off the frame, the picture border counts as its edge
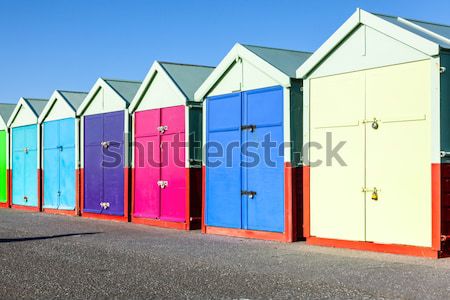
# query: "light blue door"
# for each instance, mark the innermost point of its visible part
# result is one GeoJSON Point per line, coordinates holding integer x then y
{"type": "Point", "coordinates": [223, 158]}
{"type": "Point", "coordinates": [263, 109]}
{"type": "Point", "coordinates": [67, 164]}
{"type": "Point", "coordinates": [59, 164]}
{"type": "Point", "coordinates": [18, 165]}
{"type": "Point", "coordinates": [31, 189]}
{"type": "Point", "coordinates": [51, 164]}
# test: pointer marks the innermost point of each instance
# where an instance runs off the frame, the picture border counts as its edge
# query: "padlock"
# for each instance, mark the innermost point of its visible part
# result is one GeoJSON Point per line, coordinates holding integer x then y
{"type": "Point", "coordinates": [374, 195]}
{"type": "Point", "coordinates": [375, 124]}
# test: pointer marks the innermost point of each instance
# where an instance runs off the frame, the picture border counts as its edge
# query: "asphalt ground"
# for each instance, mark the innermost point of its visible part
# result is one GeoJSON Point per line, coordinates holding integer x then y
{"type": "Point", "coordinates": [48, 256]}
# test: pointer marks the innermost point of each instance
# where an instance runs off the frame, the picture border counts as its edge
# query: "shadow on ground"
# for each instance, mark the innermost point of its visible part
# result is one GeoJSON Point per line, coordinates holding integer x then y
{"type": "Point", "coordinates": [37, 238]}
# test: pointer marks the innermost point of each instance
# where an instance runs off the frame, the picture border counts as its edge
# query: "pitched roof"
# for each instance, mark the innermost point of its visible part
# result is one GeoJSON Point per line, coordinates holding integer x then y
{"type": "Point", "coordinates": [74, 98]}
{"type": "Point", "coordinates": [187, 77]}
{"type": "Point", "coordinates": [125, 88]}
{"type": "Point", "coordinates": [36, 104]}
{"type": "Point", "coordinates": [437, 33]}
{"type": "Point", "coordinates": [6, 110]}
{"type": "Point", "coordinates": [284, 60]}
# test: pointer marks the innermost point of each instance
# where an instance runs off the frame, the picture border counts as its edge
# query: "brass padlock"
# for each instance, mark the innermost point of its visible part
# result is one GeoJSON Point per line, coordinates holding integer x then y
{"type": "Point", "coordinates": [375, 124]}
{"type": "Point", "coordinates": [375, 194]}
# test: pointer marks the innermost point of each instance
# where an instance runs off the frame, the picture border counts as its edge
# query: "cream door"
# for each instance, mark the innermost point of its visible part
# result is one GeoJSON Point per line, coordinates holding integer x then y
{"type": "Point", "coordinates": [398, 155]}
{"type": "Point", "coordinates": [337, 203]}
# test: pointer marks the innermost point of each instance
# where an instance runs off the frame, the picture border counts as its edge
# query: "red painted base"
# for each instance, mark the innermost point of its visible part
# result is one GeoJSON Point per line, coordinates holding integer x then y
{"type": "Point", "coordinates": [248, 234]}
{"type": "Point", "coordinates": [26, 208]}
{"type": "Point", "coordinates": [160, 223]}
{"type": "Point", "coordinates": [374, 247]}
{"type": "Point", "coordinates": [4, 205]}
{"type": "Point", "coordinates": [104, 217]}
{"type": "Point", "coordinates": [59, 212]}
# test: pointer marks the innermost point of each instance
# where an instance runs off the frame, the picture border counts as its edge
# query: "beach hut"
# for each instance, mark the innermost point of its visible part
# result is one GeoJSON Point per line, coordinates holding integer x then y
{"type": "Point", "coordinates": [6, 110]}
{"type": "Point", "coordinates": [380, 85]}
{"type": "Point", "coordinates": [166, 188]}
{"type": "Point", "coordinates": [25, 148]}
{"type": "Point", "coordinates": [104, 149]}
{"type": "Point", "coordinates": [252, 122]}
{"type": "Point", "coordinates": [60, 155]}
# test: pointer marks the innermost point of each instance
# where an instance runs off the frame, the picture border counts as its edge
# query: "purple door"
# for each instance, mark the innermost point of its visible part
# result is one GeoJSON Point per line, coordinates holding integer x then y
{"type": "Point", "coordinates": [103, 163]}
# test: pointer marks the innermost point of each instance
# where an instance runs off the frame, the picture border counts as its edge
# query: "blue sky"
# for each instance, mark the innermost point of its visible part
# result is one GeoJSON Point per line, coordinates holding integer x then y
{"type": "Point", "coordinates": [61, 44]}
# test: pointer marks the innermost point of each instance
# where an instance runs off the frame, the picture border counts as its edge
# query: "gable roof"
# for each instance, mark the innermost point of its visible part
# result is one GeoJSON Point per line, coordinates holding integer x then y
{"type": "Point", "coordinates": [184, 79]}
{"type": "Point", "coordinates": [284, 60]}
{"type": "Point", "coordinates": [187, 77]}
{"type": "Point", "coordinates": [125, 88]}
{"type": "Point", "coordinates": [428, 38]}
{"type": "Point", "coordinates": [6, 110]}
{"type": "Point", "coordinates": [279, 63]}
{"type": "Point", "coordinates": [36, 105]}
{"type": "Point", "coordinates": [72, 99]}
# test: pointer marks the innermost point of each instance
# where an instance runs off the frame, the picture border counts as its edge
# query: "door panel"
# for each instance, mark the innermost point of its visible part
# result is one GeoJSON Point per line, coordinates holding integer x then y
{"type": "Point", "coordinates": [113, 170]}
{"type": "Point", "coordinates": [337, 205]}
{"type": "Point", "coordinates": [173, 197]}
{"type": "Point", "coordinates": [31, 165]}
{"type": "Point", "coordinates": [18, 165]}
{"type": "Point", "coordinates": [147, 174]}
{"type": "Point", "coordinates": [223, 172]}
{"type": "Point", "coordinates": [173, 118]}
{"type": "Point", "coordinates": [398, 155]}
{"type": "Point", "coordinates": [265, 211]}
{"type": "Point", "coordinates": [93, 159]}
{"type": "Point", "coordinates": [3, 176]}
{"type": "Point", "coordinates": [51, 164]}
{"type": "Point", "coordinates": [67, 164]}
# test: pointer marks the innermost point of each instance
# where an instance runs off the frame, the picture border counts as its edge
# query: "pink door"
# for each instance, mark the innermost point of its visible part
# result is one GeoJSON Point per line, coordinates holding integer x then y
{"type": "Point", "coordinates": [147, 164]}
{"type": "Point", "coordinates": [160, 186]}
{"type": "Point", "coordinates": [173, 197]}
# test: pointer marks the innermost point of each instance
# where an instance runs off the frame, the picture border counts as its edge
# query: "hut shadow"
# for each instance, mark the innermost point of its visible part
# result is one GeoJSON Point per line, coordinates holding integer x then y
{"type": "Point", "coordinates": [26, 239]}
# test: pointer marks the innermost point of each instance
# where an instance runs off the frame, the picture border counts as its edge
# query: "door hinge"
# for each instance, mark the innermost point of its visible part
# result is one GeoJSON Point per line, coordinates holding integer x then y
{"type": "Point", "coordinates": [250, 194]}
{"type": "Point", "coordinates": [248, 127]}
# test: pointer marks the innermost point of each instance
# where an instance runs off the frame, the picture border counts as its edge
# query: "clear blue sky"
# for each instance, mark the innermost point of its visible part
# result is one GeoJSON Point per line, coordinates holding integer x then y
{"type": "Point", "coordinates": [61, 44]}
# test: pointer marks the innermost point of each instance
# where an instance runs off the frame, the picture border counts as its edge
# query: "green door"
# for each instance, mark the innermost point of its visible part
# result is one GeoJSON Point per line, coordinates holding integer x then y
{"type": "Point", "coordinates": [3, 181]}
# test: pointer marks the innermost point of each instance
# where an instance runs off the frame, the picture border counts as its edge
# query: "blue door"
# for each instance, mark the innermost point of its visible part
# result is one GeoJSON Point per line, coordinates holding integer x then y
{"type": "Point", "coordinates": [245, 179]}
{"type": "Point", "coordinates": [67, 164]}
{"type": "Point", "coordinates": [265, 210]}
{"type": "Point", "coordinates": [51, 164]}
{"type": "Point", "coordinates": [223, 172]}
{"type": "Point", "coordinates": [59, 164]}
{"type": "Point", "coordinates": [24, 165]}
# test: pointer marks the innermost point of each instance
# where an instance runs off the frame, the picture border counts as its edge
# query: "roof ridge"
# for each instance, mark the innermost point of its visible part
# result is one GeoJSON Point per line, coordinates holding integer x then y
{"type": "Point", "coordinates": [75, 92]}
{"type": "Point", "coordinates": [121, 80]}
{"type": "Point", "coordinates": [36, 99]}
{"type": "Point", "coordinates": [274, 48]}
{"type": "Point", "coordinates": [183, 64]}
{"type": "Point", "coordinates": [411, 19]}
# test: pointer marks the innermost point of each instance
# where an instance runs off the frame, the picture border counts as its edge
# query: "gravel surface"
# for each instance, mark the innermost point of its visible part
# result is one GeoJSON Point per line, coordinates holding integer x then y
{"type": "Point", "coordinates": [47, 256]}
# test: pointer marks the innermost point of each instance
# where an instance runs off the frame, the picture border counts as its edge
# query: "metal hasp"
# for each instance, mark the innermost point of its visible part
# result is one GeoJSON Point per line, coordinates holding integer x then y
{"type": "Point", "coordinates": [248, 127]}
{"type": "Point", "coordinates": [162, 184]}
{"type": "Point", "coordinates": [250, 194]}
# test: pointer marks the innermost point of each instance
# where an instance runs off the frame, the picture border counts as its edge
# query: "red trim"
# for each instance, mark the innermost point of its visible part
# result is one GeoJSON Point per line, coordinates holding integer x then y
{"type": "Point", "coordinates": [77, 192]}
{"type": "Point", "coordinates": [187, 208]}
{"type": "Point", "coordinates": [59, 212]}
{"type": "Point", "coordinates": [289, 211]}
{"type": "Point", "coordinates": [367, 246]}
{"type": "Point", "coordinates": [133, 178]}
{"type": "Point", "coordinates": [81, 191]}
{"type": "Point", "coordinates": [104, 217]}
{"type": "Point", "coordinates": [203, 226]}
{"type": "Point", "coordinates": [9, 187]}
{"type": "Point", "coordinates": [4, 205]}
{"type": "Point", "coordinates": [40, 187]}
{"type": "Point", "coordinates": [160, 223]}
{"type": "Point", "coordinates": [248, 234]}
{"type": "Point", "coordinates": [306, 201]}
{"type": "Point", "coordinates": [436, 206]}
{"type": "Point", "coordinates": [24, 207]}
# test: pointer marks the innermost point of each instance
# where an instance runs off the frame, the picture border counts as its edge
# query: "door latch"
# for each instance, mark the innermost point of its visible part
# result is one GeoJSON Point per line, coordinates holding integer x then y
{"type": "Point", "coordinates": [162, 184]}
{"type": "Point", "coordinates": [25, 150]}
{"type": "Point", "coordinates": [162, 129]}
{"type": "Point", "coordinates": [104, 205]}
{"type": "Point", "coordinates": [25, 198]}
{"type": "Point", "coordinates": [105, 145]}
{"type": "Point", "coordinates": [60, 148]}
{"type": "Point", "coordinates": [248, 127]}
{"type": "Point", "coordinates": [250, 194]}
